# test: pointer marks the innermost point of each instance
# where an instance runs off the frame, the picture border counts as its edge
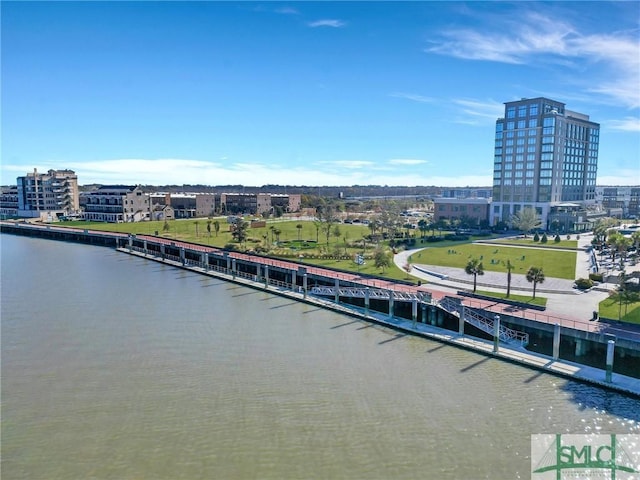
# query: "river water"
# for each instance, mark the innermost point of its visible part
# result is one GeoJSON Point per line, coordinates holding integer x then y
{"type": "Point", "coordinates": [115, 367]}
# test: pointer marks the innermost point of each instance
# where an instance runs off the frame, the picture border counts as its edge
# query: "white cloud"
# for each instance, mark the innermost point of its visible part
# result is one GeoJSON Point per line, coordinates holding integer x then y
{"type": "Point", "coordinates": [628, 124]}
{"type": "Point", "coordinates": [327, 23]}
{"type": "Point", "coordinates": [620, 177]}
{"type": "Point", "coordinates": [615, 56]}
{"type": "Point", "coordinates": [489, 110]}
{"type": "Point", "coordinates": [287, 11]}
{"type": "Point", "coordinates": [349, 164]}
{"type": "Point", "coordinates": [183, 171]}
{"type": "Point", "coordinates": [413, 97]}
{"type": "Point", "coordinates": [407, 161]}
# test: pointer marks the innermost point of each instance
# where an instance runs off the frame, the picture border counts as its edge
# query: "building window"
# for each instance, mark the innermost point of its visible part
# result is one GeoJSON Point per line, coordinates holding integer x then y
{"type": "Point", "coordinates": [511, 112]}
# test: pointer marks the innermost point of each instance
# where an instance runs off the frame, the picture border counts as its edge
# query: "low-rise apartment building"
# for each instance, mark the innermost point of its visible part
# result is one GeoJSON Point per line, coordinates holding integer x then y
{"type": "Point", "coordinates": [258, 203]}
{"type": "Point", "coordinates": [474, 211]}
{"type": "Point", "coordinates": [116, 203]}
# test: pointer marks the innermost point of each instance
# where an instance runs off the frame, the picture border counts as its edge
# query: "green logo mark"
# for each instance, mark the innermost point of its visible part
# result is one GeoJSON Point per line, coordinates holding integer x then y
{"type": "Point", "coordinates": [601, 455]}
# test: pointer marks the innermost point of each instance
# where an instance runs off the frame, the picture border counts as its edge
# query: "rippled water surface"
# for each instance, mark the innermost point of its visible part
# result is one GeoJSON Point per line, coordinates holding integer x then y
{"type": "Point", "coordinates": [115, 367]}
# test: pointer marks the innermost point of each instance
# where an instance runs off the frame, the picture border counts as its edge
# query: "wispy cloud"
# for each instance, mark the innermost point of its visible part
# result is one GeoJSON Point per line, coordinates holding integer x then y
{"type": "Point", "coordinates": [287, 11]}
{"type": "Point", "coordinates": [616, 55]}
{"type": "Point", "coordinates": [488, 109]}
{"type": "Point", "coordinates": [476, 112]}
{"type": "Point", "coordinates": [327, 23]}
{"type": "Point", "coordinates": [349, 164]}
{"type": "Point", "coordinates": [407, 161]}
{"type": "Point", "coordinates": [628, 124]}
{"type": "Point", "coordinates": [413, 97]}
{"type": "Point", "coordinates": [621, 177]}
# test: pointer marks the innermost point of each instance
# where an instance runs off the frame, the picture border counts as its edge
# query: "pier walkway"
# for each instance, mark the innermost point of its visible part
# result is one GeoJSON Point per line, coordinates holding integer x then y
{"type": "Point", "coordinates": [517, 355]}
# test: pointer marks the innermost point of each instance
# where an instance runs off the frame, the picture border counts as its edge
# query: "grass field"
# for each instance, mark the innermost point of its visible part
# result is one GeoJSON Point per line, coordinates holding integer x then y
{"type": "Point", "coordinates": [195, 230]}
{"type": "Point", "coordinates": [541, 301]}
{"type": "Point", "coordinates": [555, 263]}
{"type": "Point", "coordinates": [610, 308]}
{"type": "Point", "coordinates": [528, 242]}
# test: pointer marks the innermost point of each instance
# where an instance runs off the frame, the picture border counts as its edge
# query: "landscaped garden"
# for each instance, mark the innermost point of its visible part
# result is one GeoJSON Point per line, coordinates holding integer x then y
{"type": "Point", "coordinates": [308, 241]}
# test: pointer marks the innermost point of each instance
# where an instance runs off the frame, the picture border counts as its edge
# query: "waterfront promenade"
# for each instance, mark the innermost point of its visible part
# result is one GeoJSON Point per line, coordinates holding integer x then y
{"type": "Point", "coordinates": [577, 371]}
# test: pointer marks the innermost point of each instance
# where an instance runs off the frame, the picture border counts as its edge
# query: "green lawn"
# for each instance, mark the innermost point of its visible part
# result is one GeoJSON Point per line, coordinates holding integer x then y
{"type": "Point", "coordinates": [187, 230]}
{"type": "Point", "coordinates": [528, 242]}
{"type": "Point", "coordinates": [555, 263]}
{"type": "Point", "coordinates": [610, 308]}
{"type": "Point", "coordinates": [541, 301]}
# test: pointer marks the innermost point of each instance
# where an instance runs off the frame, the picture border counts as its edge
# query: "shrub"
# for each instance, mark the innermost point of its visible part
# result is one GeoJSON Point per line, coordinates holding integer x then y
{"type": "Point", "coordinates": [584, 283]}
{"type": "Point", "coordinates": [556, 239]}
{"type": "Point", "coordinates": [536, 237]}
{"type": "Point", "coordinates": [596, 277]}
{"type": "Point", "coordinates": [544, 238]}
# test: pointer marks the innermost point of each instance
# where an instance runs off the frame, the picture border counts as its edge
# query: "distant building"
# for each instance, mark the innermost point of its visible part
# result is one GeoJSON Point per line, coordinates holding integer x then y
{"type": "Point", "coordinates": [258, 203]}
{"type": "Point", "coordinates": [474, 211]}
{"type": "Point", "coordinates": [9, 202]}
{"type": "Point", "coordinates": [544, 156]}
{"type": "Point", "coordinates": [116, 203]}
{"type": "Point", "coordinates": [619, 201]}
{"type": "Point", "coordinates": [467, 192]}
{"type": "Point", "coordinates": [188, 205]}
{"type": "Point", "coordinates": [48, 196]}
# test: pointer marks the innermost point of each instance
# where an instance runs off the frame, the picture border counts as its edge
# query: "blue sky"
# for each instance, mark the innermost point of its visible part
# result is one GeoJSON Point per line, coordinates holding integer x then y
{"type": "Point", "coordinates": [305, 93]}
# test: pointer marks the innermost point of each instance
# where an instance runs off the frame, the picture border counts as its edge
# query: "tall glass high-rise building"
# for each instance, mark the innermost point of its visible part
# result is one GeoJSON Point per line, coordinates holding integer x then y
{"type": "Point", "coordinates": [545, 156]}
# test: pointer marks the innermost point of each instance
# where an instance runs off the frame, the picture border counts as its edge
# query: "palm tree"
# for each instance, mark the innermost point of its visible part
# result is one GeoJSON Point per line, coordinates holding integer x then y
{"type": "Point", "coordinates": [535, 275]}
{"type": "Point", "coordinates": [509, 266]}
{"type": "Point", "coordinates": [475, 268]}
{"type": "Point", "coordinates": [299, 227]}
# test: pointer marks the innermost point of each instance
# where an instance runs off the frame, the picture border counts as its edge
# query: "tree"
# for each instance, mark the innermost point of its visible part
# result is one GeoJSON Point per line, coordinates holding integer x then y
{"type": "Point", "coordinates": [239, 231]}
{"type": "Point", "coordinates": [166, 227]}
{"type": "Point", "coordinates": [196, 223]}
{"type": "Point", "coordinates": [299, 227]}
{"type": "Point", "coordinates": [209, 228]}
{"type": "Point", "coordinates": [423, 226]}
{"type": "Point", "coordinates": [535, 275]}
{"type": "Point", "coordinates": [474, 267]}
{"type": "Point", "coordinates": [277, 232]}
{"type": "Point", "coordinates": [336, 232]}
{"type": "Point", "coordinates": [381, 258]}
{"type": "Point", "coordinates": [216, 226]}
{"type": "Point", "coordinates": [526, 220]}
{"type": "Point", "coordinates": [509, 266]}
